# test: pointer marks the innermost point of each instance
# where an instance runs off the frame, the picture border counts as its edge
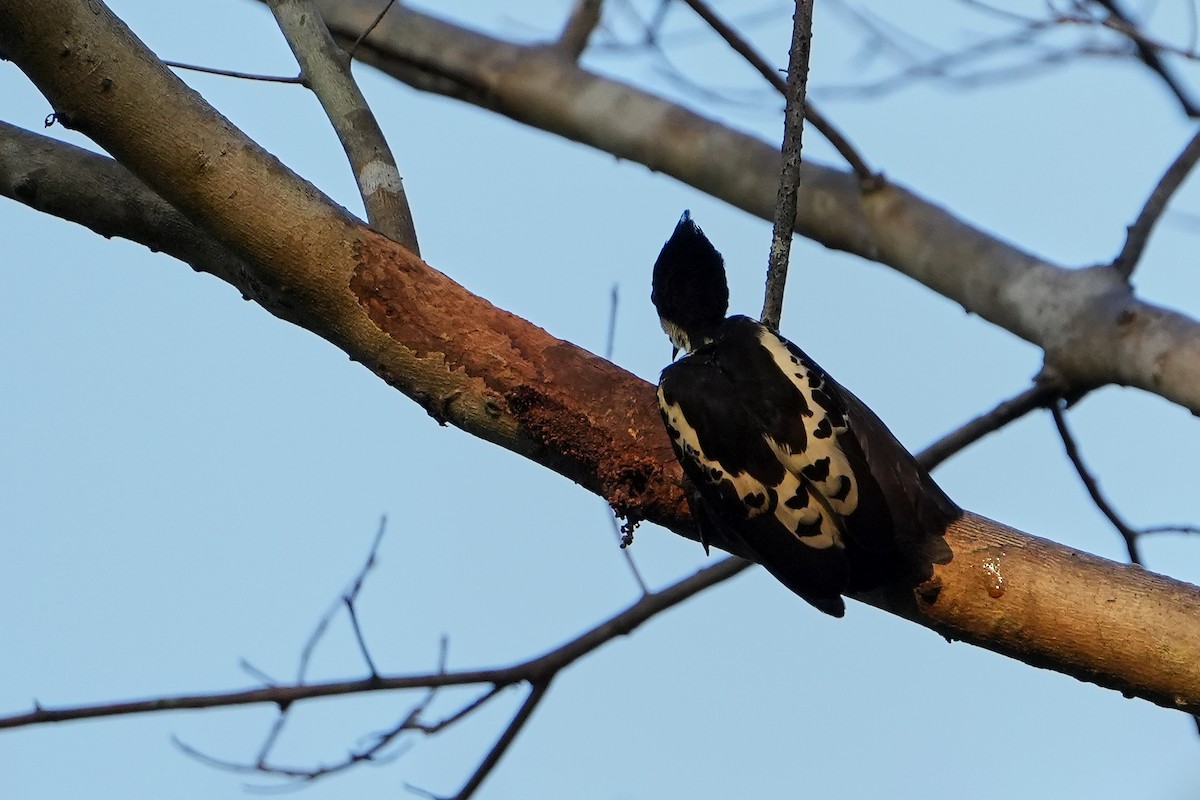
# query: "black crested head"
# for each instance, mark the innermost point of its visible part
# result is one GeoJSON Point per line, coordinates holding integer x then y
{"type": "Point", "coordinates": [689, 288]}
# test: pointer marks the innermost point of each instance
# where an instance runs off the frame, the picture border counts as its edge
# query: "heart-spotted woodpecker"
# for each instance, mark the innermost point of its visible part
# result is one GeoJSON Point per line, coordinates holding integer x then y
{"type": "Point", "coordinates": [785, 465]}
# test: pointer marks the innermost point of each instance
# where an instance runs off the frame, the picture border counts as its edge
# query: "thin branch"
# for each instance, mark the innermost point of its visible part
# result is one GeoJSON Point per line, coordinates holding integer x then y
{"type": "Point", "coordinates": [610, 340]}
{"type": "Point", "coordinates": [317, 634]}
{"type": "Point", "coordinates": [789, 177]}
{"type": "Point", "coordinates": [939, 64]}
{"type": "Point", "coordinates": [466, 710]}
{"type": "Point", "coordinates": [654, 41]}
{"type": "Point", "coordinates": [1148, 54]}
{"type": "Point", "coordinates": [351, 598]}
{"type": "Point", "coordinates": [654, 26]}
{"type": "Point", "coordinates": [212, 761]}
{"type": "Point", "coordinates": [742, 47]}
{"type": "Point", "coordinates": [372, 753]}
{"type": "Point", "coordinates": [358, 637]}
{"type": "Point", "coordinates": [1134, 34]}
{"type": "Point", "coordinates": [443, 652]}
{"type": "Point", "coordinates": [1040, 395]}
{"type": "Point", "coordinates": [264, 750]}
{"type": "Point", "coordinates": [346, 599]}
{"type": "Point", "coordinates": [539, 674]}
{"type": "Point", "coordinates": [325, 68]}
{"type": "Point", "coordinates": [534, 669]}
{"type": "Point", "coordinates": [255, 672]}
{"type": "Point", "coordinates": [701, 90]}
{"type": "Point", "coordinates": [584, 18]}
{"type": "Point", "coordinates": [230, 73]}
{"type": "Point", "coordinates": [1156, 203]}
{"type": "Point", "coordinates": [683, 36]}
{"type": "Point", "coordinates": [1130, 534]}
{"type": "Point", "coordinates": [536, 693]}
{"type": "Point", "coordinates": [1093, 487]}
{"type": "Point", "coordinates": [1026, 36]}
{"type": "Point", "coordinates": [367, 31]}
{"type": "Point", "coordinates": [1191, 529]}
{"type": "Point", "coordinates": [310, 774]}
{"type": "Point", "coordinates": [614, 302]}
{"type": "Point", "coordinates": [1192, 26]}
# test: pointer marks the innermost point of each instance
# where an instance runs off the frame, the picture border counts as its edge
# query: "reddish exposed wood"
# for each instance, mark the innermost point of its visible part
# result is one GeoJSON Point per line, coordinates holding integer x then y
{"type": "Point", "coordinates": [560, 396]}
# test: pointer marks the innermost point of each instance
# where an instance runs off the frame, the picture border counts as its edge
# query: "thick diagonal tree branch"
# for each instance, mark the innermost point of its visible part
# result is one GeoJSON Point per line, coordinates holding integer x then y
{"type": "Point", "coordinates": [306, 260]}
{"type": "Point", "coordinates": [77, 185]}
{"type": "Point", "coordinates": [97, 192]}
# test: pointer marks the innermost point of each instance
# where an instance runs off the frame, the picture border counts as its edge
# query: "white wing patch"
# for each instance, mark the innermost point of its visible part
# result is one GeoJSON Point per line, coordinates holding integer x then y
{"type": "Point", "coordinates": [823, 463]}
{"type": "Point", "coordinates": [804, 513]}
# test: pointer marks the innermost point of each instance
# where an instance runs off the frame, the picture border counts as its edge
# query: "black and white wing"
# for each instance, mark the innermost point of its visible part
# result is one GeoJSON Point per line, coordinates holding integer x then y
{"type": "Point", "coordinates": [790, 467]}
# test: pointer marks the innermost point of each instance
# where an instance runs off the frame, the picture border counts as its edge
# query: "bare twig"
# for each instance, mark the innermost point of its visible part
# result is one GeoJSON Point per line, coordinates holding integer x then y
{"type": "Point", "coordinates": [654, 26]}
{"type": "Point", "coordinates": [682, 36]}
{"type": "Point", "coordinates": [231, 73]}
{"type": "Point", "coordinates": [1193, 25]}
{"type": "Point", "coordinates": [747, 51]}
{"type": "Point", "coordinates": [351, 598]}
{"type": "Point", "coordinates": [325, 68]}
{"type": "Point", "coordinates": [1140, 230]}
{"type": "Point", "coordinates": [550, 662]}
{"type": "Point", "coordinates": [464, 711]}
{"type": "Point", "coordinates": [538, 673]}
{"type": "Point", "coordinates": [1149, 55]}
{"type": "Point", "coordinates": [358, 637]}
{"type": "Point", "coordinates": [536, 693]}
{"type": "Point", "coordinates": [939, 65]}
{"type": "Point", "coordinates": [346, 599]}
{"type": "Point", "coordinates": [789, 177]}
{"type": "Point", "coordinates": [1093, 487]}
{"type": "Point", "coordinates": [1134, 34]}
{"type": "Point", "coordinates": [367, 31]}
{"type": "Point", "coordinates": [1040, 395]}
{"type": "Point", "coordinates": [255, 672]}
{"type": "Point", "coordinates": [1128, 533]}
{"type": "Point", "coordinates": [584, 18]}
{"type": "Point", "coordinates": [1027, 36]}
{"type": "Point", "coordinates": [614, 302]}
{"type": "Point", "coordinates": [370, 753]}
{"type": "Point", "coordinates": [1169, 529]}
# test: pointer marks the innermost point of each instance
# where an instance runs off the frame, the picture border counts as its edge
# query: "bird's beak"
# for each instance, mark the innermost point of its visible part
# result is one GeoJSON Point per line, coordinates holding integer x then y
{"type": "Point", "coordinates": [674, 352]}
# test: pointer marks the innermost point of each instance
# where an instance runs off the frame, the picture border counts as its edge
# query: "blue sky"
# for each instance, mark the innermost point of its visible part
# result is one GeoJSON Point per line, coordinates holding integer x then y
{"type": "Point", "coordinates": [185, 481]}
